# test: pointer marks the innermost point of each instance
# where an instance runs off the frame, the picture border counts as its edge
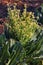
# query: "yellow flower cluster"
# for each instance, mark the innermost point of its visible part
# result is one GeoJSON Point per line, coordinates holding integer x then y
{"type": "Point", "coordinates": [24, 26]}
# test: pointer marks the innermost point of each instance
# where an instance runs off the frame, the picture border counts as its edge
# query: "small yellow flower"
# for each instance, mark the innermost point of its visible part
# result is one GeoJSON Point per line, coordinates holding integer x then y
{"type": "Point", "coordinates": [37, 17]}
{"type": "Point", "coordinates": [30, 13]}
{"type": "Point", "coordinates": [33, 16]}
